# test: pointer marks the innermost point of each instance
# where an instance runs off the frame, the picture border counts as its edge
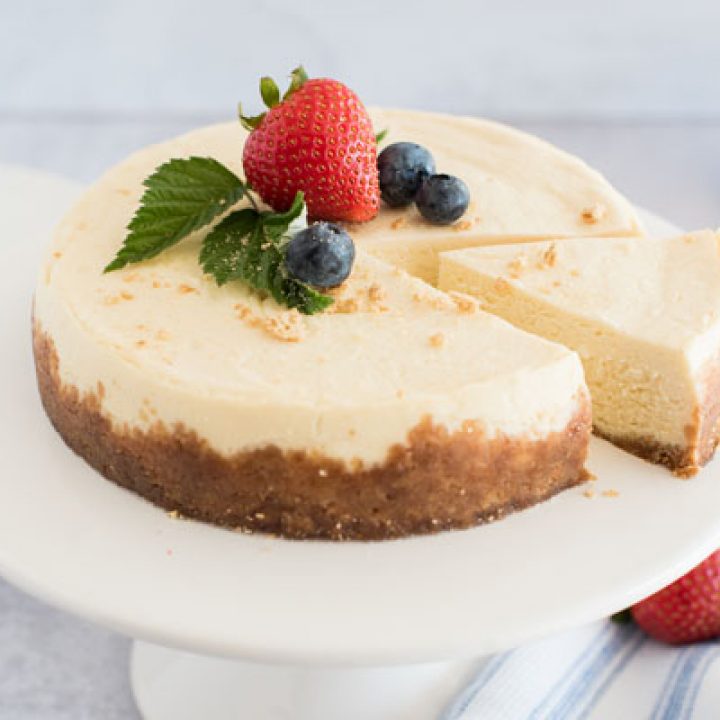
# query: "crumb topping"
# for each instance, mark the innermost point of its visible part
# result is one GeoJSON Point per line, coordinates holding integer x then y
{"type": "Point", "coordinates": [462, 225]}
{"type": "Point", "coordinates": [398, 223]}
{"type": "Point", "coordinates": [437, 340]}
{"type": "Point", "coordinates": [516, 266]}
{"type": "Point", "coordinates": [548, 257]}
{"type": "Point", "coordinates": [287, 326]}
{"type": "Point", "coordinates": [465, 304]}
{"type": "Point", "coordinates": [593, 214]}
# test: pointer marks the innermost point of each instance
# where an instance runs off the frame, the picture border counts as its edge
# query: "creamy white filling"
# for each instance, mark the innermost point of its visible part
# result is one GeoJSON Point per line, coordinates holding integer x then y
{"type": "Point", "coordinates": [168, 345]}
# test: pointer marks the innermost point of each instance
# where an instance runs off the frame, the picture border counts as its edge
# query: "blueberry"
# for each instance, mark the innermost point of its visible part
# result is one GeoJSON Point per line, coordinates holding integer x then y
{"type": "Point", "coordinates": [321, 255]}
{"type": "Point", "coordinates": [442, 199]}
{"type": "Point", "coordinates": [402, 168]}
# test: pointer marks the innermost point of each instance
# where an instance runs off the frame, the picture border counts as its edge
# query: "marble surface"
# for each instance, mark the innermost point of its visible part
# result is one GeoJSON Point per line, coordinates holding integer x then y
{"type": "Point", "coordinates": [57, 667]}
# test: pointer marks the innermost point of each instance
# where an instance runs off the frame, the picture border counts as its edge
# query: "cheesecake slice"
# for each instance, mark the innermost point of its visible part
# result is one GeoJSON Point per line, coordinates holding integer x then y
{"type": "Point", "coordinates": [644, 316]}
{"type": "Point", "coordinates": [521, 189]}
{"type": "Point", "coordinates": [400, 410]}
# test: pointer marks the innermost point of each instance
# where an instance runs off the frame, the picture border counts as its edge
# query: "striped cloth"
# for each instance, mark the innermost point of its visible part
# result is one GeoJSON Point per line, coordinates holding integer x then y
{"type": "Point", "coordinates": [602, 671]}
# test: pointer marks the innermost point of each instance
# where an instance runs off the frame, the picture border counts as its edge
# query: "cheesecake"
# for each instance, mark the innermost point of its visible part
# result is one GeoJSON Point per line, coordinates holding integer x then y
{"type": "Point", "coordinates": [644, 316]}
{"type": "Point", "coordinates": [400, 410]}
{"type": "Point", "coordinates": [521, 188]}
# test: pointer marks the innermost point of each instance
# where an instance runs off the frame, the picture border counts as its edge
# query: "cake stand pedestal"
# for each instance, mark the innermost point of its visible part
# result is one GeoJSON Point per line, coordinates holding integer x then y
{"type": "Point", "coordinates": [75, 540]}
{"type": "Point", "coordinates": [175, 685]}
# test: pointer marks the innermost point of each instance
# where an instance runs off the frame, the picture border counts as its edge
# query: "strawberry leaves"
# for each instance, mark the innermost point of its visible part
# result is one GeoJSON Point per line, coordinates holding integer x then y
{"type": "Point", "coordinates": [248, 245]}
{"type": "Point", "coordinates": [270, 94]}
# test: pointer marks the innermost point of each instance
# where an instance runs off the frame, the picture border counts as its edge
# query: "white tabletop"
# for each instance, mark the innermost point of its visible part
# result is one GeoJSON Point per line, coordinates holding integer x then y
{"type": "Point", "coordinates": [53, 666]}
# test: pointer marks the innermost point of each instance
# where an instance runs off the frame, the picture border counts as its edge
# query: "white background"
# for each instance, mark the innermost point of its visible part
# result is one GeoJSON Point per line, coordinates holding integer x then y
{"type": "Point", "coordinates": [631, 85]}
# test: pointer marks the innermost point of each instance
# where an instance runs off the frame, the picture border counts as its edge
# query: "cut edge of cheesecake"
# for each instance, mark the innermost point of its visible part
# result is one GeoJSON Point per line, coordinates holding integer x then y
{"type": "Point", "coordinates": [644, 316]}
{"type": "Point", "coordinates": [522, 189]}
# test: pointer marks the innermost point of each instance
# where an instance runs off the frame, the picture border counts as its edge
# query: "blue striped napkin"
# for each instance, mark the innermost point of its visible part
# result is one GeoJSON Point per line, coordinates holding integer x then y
{"type": "Point", "coordinates": [602, 671]}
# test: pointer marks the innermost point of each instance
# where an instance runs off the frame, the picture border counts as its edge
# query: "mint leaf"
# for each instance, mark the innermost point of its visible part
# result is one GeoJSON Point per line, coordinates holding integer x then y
{"type": "Point", "coordinates": [250, 246]}
{"type": "Point", "coordinates": [181, 197]}
{"type": "Point", "coordinates": [381, 136]}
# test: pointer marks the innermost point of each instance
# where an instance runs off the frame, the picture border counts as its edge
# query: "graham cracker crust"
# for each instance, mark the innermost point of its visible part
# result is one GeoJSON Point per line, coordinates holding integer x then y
{"type": "Point", "coordinates": [435, 481]}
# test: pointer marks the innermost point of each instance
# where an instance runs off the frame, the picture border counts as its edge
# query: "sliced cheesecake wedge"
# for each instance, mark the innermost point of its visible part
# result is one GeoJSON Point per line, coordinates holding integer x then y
{"type": "Point", "coordinates": [644, 316]}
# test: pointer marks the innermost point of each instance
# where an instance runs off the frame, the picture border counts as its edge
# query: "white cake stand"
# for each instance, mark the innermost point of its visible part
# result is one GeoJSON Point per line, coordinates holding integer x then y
{"type": "Point", "coordinates": [309, 630]}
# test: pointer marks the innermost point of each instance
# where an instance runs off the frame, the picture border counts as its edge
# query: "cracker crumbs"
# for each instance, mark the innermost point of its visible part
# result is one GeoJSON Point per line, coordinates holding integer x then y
{"type": "Point", "coordinates": [185, 289]}
{"type": "Point", "coordinates": [286, 326]}
{"type": "Point", "coordinates": [464, 304]}
{"type": "Point", "coordinates": [122, 191]}
{"type": "Point", "coordinates": [400, 394]}
{"type": "Point", "coordinates": [398, 223]}
{"type": "Point", "coordinates": [548, 257]}
{"type": "Point", "coordinates": [156, 284]}
{"type": "Point", "coordinates": [610, 493]}
{"type": "Point", "coordinates": [593, 214]}
{"type": "Point", "coordinates": [437, 340]}
{"type": "Point", "coordinates": [463, 225]}
{"type": "Point", "coordinates": [376, 293]}
{"type": "Point", "coordinates": [516, 266]}
{"type": "Point", "coordinates": [689, 239]}
{"type": "Point", "coordinates": [575, 272]}
{"type": "Point", "coordinates": [162, 335]}
{"type": "Point", "coordinates": [344, 306]}
{"type": "Point", "coordinates": [140, 343]}
{"type": "Point", "coordinates": [57, 254]}
{"type": "Point", "coordinates": [502, 286]}
{"type": "Point", "coordinates": [131, 277]}
{"type": "Point", "coordinates": [589, 493]}
{"type": "Point", "coordinates": [174, 514]}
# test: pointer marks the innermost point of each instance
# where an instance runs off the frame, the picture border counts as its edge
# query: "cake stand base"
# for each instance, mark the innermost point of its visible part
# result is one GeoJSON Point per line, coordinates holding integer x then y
{"type": "Point", "coordinates": [175, 685]}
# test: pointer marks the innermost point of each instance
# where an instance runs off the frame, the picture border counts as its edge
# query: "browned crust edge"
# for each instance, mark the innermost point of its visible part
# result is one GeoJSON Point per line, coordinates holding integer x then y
{"type": "Point", "coordinates": [436, 481]}
{"type": "Point", "coordinates": [702, 436]}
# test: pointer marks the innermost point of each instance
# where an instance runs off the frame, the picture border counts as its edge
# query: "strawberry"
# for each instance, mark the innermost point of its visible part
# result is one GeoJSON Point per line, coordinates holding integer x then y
{"type": "Point", "coordinates": [686, 611]}
{"type": "Point", "coordinates": [319, 139]}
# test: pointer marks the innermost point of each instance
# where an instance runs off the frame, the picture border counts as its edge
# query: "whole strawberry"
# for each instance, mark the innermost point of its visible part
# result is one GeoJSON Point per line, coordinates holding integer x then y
{"type": "Point", "coordinates": [319, 139]}
{"type": "Point", "coordinates": [686, 611]}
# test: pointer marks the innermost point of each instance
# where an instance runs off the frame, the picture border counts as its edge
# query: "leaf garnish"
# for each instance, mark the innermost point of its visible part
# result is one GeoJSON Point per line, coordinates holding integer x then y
{"type": "Point", "coordinates": [250, 246]}
{"type": "Point", "coordinates": [181, 196]}
{"type": "Point", "coordinates": [379, 137]}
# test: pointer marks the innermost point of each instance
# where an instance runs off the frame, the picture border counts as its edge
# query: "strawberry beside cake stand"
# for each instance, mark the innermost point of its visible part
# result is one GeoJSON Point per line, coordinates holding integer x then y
{"type": "Point", "coordinates": [236, 626]}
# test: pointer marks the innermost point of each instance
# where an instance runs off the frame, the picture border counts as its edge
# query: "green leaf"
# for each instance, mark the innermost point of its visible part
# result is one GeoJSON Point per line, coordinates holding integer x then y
{"type": "Point", "coordinates": [221, 254]}
{"type": "Point", "coordinates": [181, 196]}
{"type": "Point", "coordinates": [298, 77]}
{"type": "Point", "coordinates": [250, 247]}
{"type": "Point", "coordinates": [249, 122]}
{"type": "Point", "coordinates": [269, 92]}
{"type": "Point", "coordinates": [381, 136]}
{"type": "Point", "coordinates": [293, 213]}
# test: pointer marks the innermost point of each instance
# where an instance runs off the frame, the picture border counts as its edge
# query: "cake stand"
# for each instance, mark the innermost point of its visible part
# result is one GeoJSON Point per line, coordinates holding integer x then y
{"type": "Point", "coordinates": [238, 626]}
